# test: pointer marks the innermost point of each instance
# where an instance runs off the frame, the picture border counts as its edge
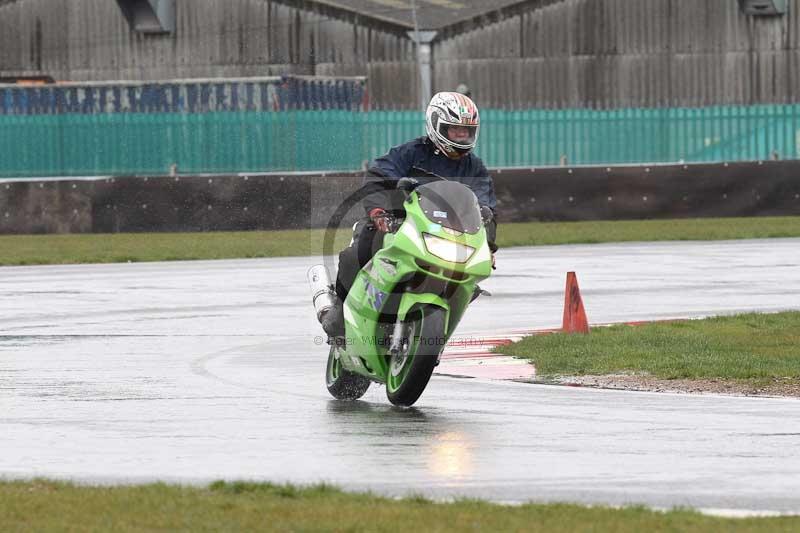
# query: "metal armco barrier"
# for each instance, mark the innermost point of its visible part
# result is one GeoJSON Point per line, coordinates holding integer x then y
{"type": "Point", "coordinates": [300, 201]}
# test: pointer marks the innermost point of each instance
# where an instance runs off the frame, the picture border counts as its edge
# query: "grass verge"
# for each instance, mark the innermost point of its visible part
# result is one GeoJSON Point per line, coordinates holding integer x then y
{"type": "Point", "coordinates": [134, 247]}
{"type": "Point", "coordinates": [686, 229]}
{"type": "Point", "coordinates": [49, 506]}
{"type": "Point", "coordinates": [752, 347]}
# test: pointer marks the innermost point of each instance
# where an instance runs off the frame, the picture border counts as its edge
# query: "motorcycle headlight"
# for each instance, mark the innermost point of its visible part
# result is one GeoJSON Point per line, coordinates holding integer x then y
{"type": "Point", "coordinates": [447, 250]}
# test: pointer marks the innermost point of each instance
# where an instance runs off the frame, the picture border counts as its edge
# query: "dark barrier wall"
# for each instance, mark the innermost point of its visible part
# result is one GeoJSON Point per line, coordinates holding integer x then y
{"type": "Point", "coordinates": [664, 191]}
{"type": "Point", "coordinates": [300, 201]}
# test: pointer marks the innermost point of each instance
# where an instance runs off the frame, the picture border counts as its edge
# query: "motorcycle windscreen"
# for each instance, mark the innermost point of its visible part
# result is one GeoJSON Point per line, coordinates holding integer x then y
{"type": "Point", "coordinates": [450, 204]}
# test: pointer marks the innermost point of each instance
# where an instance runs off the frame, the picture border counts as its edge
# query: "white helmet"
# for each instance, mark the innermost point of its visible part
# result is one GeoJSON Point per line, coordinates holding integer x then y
{"type": "Point", "coordinates": [452, 109]}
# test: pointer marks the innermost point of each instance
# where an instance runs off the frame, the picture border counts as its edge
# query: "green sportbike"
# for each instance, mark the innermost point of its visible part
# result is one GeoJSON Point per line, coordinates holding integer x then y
{"type": "Point", "coordinates": [408, 299]}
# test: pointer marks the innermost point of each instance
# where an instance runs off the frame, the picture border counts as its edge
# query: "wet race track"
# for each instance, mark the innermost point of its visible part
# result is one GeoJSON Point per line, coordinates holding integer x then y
{"type": "Point", "coordinates": [196, 371]}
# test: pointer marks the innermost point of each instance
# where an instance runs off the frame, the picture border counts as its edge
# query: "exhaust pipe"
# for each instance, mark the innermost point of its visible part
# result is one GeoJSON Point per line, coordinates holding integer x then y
{"type": "Point", "coordinates": [321, 289]}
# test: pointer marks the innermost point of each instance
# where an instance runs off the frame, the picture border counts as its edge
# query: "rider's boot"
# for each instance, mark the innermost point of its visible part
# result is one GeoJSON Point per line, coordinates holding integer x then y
{"type": "Point", "coordinates": [333, 319]}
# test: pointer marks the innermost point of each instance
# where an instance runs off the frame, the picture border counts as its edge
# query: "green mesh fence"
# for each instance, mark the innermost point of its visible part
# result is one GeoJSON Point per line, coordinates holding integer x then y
{"type": "Point", "coordinates": [585, 137]}
{"type": "Point", "coordinates": [138, 143]}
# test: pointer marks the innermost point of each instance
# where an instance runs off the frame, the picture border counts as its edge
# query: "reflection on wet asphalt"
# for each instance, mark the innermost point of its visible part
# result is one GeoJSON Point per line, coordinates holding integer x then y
{"type": "Point", "coordinates": [197, 371]}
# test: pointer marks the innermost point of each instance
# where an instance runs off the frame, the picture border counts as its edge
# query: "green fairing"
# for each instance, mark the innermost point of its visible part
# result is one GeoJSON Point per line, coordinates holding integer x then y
{"type": "Point", "coordinates": [386, 278]}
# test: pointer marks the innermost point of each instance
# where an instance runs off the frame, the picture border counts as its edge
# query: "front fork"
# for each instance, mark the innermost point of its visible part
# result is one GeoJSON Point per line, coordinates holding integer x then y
{"type": "Point", "coordinates": [397, 338]}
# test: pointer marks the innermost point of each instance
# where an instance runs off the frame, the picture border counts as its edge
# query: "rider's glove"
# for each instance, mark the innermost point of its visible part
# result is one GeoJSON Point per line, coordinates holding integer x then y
{"type": "Point", "coordinates": [380, 219]}
{"type": "Point", "coordinates": [487, 214]}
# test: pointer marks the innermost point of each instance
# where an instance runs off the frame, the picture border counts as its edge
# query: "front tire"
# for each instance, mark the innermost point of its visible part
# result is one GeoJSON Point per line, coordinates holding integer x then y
{"type": "Point", "coordinates": [410, 371]}
{"type": "Point", "coordinates": [341, 383]}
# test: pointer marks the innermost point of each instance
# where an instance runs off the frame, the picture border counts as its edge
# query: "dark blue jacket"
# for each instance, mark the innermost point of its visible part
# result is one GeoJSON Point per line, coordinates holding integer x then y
{"type": "Point", "coordinates": [420, 158]}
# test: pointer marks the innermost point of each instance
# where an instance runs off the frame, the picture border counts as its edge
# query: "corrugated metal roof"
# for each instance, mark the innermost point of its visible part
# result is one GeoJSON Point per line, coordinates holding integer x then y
{"type": "Point", "coordinates": [431, 14]}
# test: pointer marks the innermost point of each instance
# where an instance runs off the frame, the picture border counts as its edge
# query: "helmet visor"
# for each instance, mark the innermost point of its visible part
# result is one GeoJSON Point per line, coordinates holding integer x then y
{"type": "Point", "coordinates": [459, 135]}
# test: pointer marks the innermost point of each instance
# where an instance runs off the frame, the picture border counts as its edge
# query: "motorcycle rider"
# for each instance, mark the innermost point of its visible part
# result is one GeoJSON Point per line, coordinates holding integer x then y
{"type": "Point", "coordinates": [452, 123]}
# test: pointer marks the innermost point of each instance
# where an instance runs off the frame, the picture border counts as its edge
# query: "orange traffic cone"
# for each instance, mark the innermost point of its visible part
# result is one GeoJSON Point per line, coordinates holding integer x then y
{"type": "Point", "coordinates": [574, 315]}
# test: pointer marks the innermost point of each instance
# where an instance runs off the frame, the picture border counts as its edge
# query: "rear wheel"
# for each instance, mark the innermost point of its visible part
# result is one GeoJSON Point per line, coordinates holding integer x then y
{"type": "Point", "coordinates": [411, 368]}
{"type": "Point", "coordinates": [343, 384]}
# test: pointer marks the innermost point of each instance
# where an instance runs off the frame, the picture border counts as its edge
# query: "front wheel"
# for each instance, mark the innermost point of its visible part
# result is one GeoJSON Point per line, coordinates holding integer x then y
{"type": "Point", "coordinates": [343, 384]}
{"type": "Point", "coordinates": [411, 369]}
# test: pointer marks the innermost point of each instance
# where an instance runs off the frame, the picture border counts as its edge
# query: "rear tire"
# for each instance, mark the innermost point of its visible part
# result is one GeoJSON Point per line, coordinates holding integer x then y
{"type": "Point", "coordinates": [341, 383]}
{"type": "Point", "coordinates": [410, 371]}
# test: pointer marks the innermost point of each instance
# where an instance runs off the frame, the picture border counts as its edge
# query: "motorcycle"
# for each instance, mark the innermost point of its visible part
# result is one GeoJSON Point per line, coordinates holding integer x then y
{"type": "Point", "coordinates": [408, 299]}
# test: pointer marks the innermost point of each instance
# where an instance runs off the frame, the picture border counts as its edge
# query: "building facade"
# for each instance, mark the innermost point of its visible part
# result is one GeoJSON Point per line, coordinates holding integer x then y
{"type": "Point", "coordinates": [599, 54]}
